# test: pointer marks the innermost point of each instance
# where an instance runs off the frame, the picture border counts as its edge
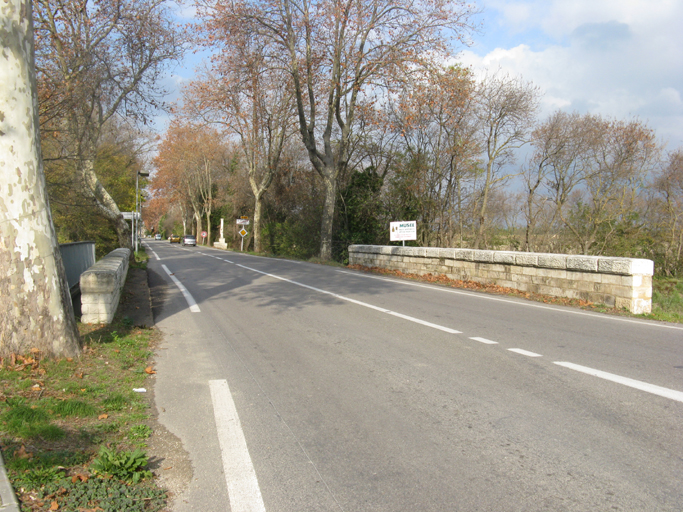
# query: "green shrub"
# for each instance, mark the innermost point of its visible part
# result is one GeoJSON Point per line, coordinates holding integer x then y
{"type": "Point", "coordinates": [126, 466]}
{"type": "Point", "coordinates": [139, 432]}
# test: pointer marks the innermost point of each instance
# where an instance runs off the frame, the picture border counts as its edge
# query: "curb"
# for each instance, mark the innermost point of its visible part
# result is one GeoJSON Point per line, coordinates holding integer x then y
{"type": "Point", "coordinates": [8, 500]}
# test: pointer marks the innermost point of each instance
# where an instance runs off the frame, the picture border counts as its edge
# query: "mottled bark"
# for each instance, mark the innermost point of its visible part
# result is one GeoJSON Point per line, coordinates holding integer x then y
{"type": "Point", "coordinates": [36, 309]}
{"type": "Point", "coordinates": [328, 217]}
{"type": "Point", "coordinates": [105, 204]}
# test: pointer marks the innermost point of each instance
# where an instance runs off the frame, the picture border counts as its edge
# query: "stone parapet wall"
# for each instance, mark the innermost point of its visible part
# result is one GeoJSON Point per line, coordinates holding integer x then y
{"type": "Point", "coordinates": [615, 282]}
{"type": "Point", "coordinates": [101, 287]}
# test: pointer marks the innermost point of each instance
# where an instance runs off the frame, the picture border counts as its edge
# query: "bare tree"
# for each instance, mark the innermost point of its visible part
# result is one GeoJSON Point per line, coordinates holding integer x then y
{"type": "Point", "coordinates": [96, 60]}
{"type": "Point", "coordinates": [616, 159]}
{"type": "Point", "coordinates": [505, 108]}
{"type": "Point", "coordinates": [435, 120]}
{"type": "Point", "coordinates": [337, 52]}
{"type": "Point", "coordinates": [250, 96]}
{"type": "Point", "coordinates": [190, 159]}
{"type": "Point", "coordinates": [669, 188]}
{"type": "Point", "coordinates": [552, 171]}
{"type": "Point", "coordinates": [36, 310]}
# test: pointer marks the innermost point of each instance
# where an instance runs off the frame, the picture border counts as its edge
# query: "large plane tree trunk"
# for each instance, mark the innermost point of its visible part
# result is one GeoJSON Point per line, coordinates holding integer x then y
{"type": "Point", "coordinates": [36, 309]}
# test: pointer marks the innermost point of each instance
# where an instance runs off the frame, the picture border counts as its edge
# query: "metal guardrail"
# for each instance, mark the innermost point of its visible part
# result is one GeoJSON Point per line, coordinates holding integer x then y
{"type": "Point", "coordinates": [77, 257]}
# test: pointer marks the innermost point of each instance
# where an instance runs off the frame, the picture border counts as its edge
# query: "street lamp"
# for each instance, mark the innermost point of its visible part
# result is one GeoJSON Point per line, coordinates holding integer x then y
{"type": "Point", "coordinates": [136, 214]}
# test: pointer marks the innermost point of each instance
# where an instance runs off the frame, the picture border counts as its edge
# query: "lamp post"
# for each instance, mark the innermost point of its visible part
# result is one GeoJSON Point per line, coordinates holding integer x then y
{"type": "Point", "coordinates": [136, 214]}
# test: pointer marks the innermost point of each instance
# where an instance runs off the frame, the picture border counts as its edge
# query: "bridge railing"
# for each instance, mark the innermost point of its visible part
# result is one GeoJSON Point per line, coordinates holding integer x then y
{"type": "Point", "coordinates": [77, 257]}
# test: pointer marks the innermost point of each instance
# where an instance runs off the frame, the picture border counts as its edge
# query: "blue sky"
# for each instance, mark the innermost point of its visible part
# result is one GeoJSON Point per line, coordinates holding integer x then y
{"type": "Point", "coordinates": [617, 58]}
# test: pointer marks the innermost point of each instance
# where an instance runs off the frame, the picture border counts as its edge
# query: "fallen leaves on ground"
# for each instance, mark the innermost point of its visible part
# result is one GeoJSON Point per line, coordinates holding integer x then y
{"type": "Point", "coordinates": [476, 286]}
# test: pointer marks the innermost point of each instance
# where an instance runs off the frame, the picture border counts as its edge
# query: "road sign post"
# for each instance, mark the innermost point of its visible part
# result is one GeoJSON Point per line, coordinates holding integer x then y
{"type": "Point", "coordinates": [243, 232]}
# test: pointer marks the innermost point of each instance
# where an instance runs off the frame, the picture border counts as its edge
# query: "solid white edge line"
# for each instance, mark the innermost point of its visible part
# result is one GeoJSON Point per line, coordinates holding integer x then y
{"type": "Point", "coordinates": [484, 340]}
{"type": "Point", "coordinates": [632, 383]}
{"type": "Point", "coordinates": [524, 352]}
{"type": "Point", "coordinates": [188, 297]}
{"type": "Point", "coordinates": [354, 301]}
{"type": "Point", "coordinates": [153, 252]}
{"type": "Point", "coordinates": [484, 296]}
{"type": "Point", "coordinates": [243, 488]}
{"type": "Point", "coordinates": [423, 322]}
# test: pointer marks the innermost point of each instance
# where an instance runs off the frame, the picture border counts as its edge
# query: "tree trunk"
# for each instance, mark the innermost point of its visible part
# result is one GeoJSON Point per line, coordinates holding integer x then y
{"type": "Point", "coordinates": [106, 204]}
{"type": "Point", "coordinates": [327, 222]}
{"type": "Point", "coordinates": [36, 310]}
{"type": "Point", "coordinates": [483, 210]}
{"type": "Point", "coordinates": [258, 207]}
{"type": "Point", "coordinates": [208, 227]}
{"type": "Point", "coordinates": [198, 218]}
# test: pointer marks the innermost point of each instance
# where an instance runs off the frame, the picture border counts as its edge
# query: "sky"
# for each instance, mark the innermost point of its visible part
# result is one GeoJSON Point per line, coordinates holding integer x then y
{"type": "Point", "coordinates": [618, 58]}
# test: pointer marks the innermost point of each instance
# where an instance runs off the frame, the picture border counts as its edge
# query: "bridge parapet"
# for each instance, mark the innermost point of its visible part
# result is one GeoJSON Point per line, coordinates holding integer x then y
{"type": "Point", "coordinates": [101, 287]}
{"type": "Point", "coordinates": [615, 282]}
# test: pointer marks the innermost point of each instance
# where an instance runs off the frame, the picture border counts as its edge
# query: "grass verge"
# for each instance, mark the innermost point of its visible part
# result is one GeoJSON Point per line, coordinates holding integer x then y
{"type": "Point", "coordinates": [73, 431]}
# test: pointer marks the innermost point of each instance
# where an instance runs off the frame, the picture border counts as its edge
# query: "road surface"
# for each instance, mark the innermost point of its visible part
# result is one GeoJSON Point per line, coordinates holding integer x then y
{"type": "Point", "coordinates": [302, 387]}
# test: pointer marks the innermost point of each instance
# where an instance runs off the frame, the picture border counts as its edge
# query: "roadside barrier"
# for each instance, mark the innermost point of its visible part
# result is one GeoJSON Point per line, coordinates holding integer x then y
{"type": "Point", "coordinates": [615, 282]}
{"type": "Point", "coordinates": [101, 287]}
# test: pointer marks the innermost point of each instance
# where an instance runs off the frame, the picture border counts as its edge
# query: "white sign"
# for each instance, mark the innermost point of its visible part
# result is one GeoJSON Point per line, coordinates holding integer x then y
{"type": "Point", "coordinates": [130, 215]}
{"type": "Point", "coordinates": [403, 230]}
{"type": "Point", "coordinates": [243, 222]}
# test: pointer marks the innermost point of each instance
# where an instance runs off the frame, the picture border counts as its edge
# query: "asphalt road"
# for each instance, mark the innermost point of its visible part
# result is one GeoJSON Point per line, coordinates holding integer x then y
{"type": "Point", "coordinates": [302, 387]}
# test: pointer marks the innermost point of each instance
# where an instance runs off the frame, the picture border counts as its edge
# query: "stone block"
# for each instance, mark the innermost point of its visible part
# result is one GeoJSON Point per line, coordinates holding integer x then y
{"type": "Point", "coordinates": [482, 256]}
{"type": "Point", "coordinates": [521, 278]}
{"type": "Point", "coordinates": [526, 259]}
{"type": "Point", "coordinates": [505, 257]}
{"type": "Point", "coordinates": [550, 290]}
{"type": "Point", "coordinates": [99, 298]}
{"type": "Point", "coordinates": [463, 254]}
{"type": "Point", "coordinates": [98, 281]}
{"type": "Point", "coordinates": [625, 266]}
{"type": "Point", "coordinates": [584, 286]}
{"type": "Point", "coordinates": [447, 254]}
{"type": "Point", "coordinates": [558, 261]}
{"type": "Point", "coordinates": [582, 263]}
{"type": "Point", "coordinates": [431, 252]}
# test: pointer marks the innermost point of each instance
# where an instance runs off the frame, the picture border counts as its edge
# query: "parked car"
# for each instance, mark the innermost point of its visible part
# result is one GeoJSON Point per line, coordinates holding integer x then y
{"type": "Point", "coordinates": [175, 239]}
{"type": "Point", "coordinates": [157, 236]}
{"type": "Point", "coordinates": [189, 240]}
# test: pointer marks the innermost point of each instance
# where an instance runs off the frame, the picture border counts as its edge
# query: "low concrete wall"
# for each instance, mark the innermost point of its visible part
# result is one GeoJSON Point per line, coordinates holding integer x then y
{"type": "Point", "coordinates": [101, 287]}
{"type": "Point", "coordinates": [616, 282]}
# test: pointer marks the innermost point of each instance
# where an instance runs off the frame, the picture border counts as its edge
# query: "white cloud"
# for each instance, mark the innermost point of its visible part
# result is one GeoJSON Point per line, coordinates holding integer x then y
{"type": "Point", "coordinates": [614, 57]}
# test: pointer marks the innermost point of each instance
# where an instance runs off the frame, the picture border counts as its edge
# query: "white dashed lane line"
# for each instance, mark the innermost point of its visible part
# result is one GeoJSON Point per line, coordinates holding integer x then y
{"type": "Point", "coordinates": [524, 352]}
{"type": "Point", "coordinates": [642, 386]}
{"type": "Point", "coordinates": [632, 383]}
{"type": "Point", "coordinates": [484, 340]}
{"type": "Point", "coordinates": [481, 296]}
{"type": "Point", "coordinates": [358, 302]}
